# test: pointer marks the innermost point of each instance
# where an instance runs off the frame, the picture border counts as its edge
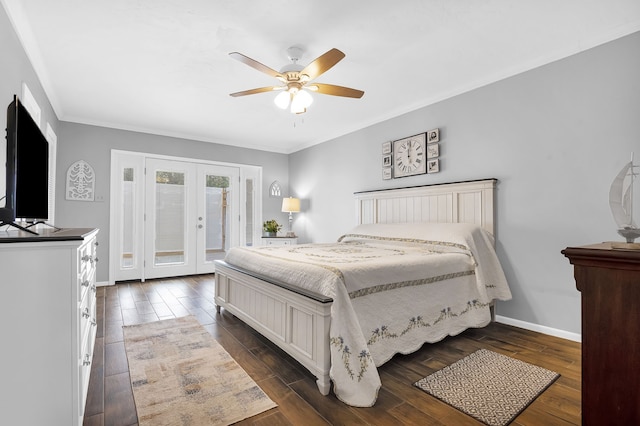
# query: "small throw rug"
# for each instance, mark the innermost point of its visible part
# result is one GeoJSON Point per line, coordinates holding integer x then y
{"type": "Point", "coordinates": [488, 386]}
{"type": "Point", "coordinates": [180, 375]}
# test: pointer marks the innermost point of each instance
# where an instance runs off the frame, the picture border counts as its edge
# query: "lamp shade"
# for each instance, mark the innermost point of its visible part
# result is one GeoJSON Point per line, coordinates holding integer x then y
{"type": "Point", "coordinates": [301, 100]}
{"type": "Point", "coordinates": [282, 100]}
{"type": "Point", "coordinates": [290, 205]}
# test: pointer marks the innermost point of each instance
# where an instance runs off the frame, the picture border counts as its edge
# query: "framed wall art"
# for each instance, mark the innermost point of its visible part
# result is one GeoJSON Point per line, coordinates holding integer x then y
{"type": "Point", "coordinates": [433, 150]}
{"type": "Point", "coordinates": [386, 173]}
{"type": "Point", "coordinates": [433, 135]}
{"type": "Point", "coordinates": [433, 166]}
{"type": "Point", "coordinates": [386, 148]}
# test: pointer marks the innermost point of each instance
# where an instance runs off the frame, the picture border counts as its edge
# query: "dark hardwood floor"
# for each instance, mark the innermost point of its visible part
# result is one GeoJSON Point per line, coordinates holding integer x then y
{"type": "Point", "coordinates": [110, 399]}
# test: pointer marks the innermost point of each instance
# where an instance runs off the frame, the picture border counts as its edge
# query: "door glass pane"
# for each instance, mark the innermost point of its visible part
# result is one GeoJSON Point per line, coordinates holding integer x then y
{"type": "Point", "coordinates": [248, 211]}
{"type": "Point", "coordinates": [127, 259]}
{"type": "Point", "coordinates": [216, 217]}
{"type": "Point", "coordinates": [170, 218]}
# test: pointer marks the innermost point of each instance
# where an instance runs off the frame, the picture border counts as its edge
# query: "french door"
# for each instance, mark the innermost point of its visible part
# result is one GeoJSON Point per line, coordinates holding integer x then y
{"type": "Point", "coordinates": [191, 216]}
{"type": "Point", "coordinates": [174, 216]}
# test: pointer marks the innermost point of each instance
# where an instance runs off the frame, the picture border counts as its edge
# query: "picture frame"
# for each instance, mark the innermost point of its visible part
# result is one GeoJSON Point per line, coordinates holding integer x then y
{"type": "Point", "coordinates": [433, 166]}
{"type": "Point", "coordinates": [386, 173]}
{"type": "Point", "coordinates": [386, 160]}
{"type": "Point", "coordinates": [386, 147]}
{"type": "Point", "coordinates": [433, 135]}
{"type": "Point", "coordinates": [433, 150]}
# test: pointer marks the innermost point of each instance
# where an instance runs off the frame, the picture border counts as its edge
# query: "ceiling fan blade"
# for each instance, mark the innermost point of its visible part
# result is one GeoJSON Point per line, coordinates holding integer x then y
{"type": "Point", "coordinates": [323, 63]}
{"type": "Point", "coordinates": [255, 64]}
{"type": "Point", "coordinates": [254, 91]}
{"type": "Point", "coordinates": [330, 89]}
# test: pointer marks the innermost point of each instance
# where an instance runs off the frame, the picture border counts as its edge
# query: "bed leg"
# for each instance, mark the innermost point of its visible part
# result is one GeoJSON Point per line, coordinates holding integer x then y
{"type": "Point", "coordinates": [324, 384]}
{"type": "Point", "coordinates": [218, 308]}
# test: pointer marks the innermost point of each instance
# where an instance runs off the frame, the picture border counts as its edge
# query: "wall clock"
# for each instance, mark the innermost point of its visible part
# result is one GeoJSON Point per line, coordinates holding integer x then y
{"type": "Point", "coordinates": [409, 156]}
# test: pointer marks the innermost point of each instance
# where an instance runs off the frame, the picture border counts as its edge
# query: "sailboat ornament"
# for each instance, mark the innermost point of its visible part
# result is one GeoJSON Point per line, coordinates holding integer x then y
{"type": "Point", "coordinates": [621, 203]}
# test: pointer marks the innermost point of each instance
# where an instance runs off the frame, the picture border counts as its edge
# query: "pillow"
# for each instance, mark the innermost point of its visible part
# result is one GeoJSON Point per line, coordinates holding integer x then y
{"type": "Point", "coordinates": [430, 231]}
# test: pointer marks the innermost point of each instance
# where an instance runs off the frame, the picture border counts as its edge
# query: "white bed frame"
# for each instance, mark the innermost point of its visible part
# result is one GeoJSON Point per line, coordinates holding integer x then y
{"type": "Point", "coordinates": [298, 321]}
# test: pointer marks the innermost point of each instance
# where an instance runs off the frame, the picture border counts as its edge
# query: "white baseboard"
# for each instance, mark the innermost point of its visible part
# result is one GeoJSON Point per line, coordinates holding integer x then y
{"type": "Point", "coordinates": [102, 283]}
{"type": "Point", "coordinates": [540, 328]}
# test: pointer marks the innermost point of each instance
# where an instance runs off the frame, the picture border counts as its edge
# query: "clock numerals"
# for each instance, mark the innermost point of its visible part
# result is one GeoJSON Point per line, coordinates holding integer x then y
{"type": "Point", "coordinates": [409, 155]}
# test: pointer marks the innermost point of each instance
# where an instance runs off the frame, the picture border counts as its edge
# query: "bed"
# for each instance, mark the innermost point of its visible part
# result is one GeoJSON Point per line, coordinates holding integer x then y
{"type": "Point", "coordinates": [419, 265]}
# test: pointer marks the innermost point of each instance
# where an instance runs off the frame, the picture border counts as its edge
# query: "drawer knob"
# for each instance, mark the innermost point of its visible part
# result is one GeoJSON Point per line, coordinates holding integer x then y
{"type": "Point", "coordinates": [85, 283]}
{"type": "Point", "coordinates": [93, 287]}
{"type": "Point", "coordinates": [85, 258]}
{"type": "Point", "coordinates": [85, 313]}
{"type": "Point", "coordinates": [87, 360]}
{"type": "Point", "coordinates": [93, 322]}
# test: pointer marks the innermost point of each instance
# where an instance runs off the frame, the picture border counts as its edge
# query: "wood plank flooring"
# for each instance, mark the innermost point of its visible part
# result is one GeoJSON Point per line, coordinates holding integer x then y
{"type": "Point", "coordinates": [110, 399]}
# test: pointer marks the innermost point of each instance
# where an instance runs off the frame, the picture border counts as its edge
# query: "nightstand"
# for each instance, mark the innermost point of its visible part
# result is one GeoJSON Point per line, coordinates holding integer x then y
{"type": "Point", "coordinates": [279, 241]}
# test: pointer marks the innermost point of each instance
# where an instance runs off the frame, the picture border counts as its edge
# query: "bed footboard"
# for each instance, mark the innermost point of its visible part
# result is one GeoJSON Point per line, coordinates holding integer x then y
{"type": "Point", "coordinates": [297, 323]}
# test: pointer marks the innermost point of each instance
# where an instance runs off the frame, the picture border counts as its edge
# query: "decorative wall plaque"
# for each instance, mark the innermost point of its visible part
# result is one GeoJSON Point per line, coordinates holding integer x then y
{"type": "Point", "coordinates": [80, 182]}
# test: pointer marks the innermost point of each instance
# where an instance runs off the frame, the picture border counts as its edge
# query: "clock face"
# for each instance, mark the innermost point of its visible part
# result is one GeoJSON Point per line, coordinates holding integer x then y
{"type": "Point", "coordinates": [409, 157]}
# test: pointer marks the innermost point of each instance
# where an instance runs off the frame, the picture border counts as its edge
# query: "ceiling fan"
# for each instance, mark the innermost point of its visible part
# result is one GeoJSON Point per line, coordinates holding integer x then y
{"type": "Point", "coordinates": [297, 80]}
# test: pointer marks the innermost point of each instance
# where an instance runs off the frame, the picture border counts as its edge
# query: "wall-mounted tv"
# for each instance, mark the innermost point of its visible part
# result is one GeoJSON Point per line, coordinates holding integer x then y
{"type": "Point", "coordinates": [27, 181]}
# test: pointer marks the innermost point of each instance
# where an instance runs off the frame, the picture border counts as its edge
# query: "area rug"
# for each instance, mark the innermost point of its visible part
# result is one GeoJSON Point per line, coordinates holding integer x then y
{"type": "Point", "coordinates": [488, 386]}
{"type": "Point", "coordinates": [180, 375]}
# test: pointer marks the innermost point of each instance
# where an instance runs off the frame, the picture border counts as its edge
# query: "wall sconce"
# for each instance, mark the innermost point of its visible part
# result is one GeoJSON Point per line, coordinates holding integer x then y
{"type": "Point", "coordinates": [290, 205]}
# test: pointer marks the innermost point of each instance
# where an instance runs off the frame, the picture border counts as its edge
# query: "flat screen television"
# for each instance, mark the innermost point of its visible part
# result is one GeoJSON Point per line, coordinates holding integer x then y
{"type": "Point", "coordinates": [27, 168]}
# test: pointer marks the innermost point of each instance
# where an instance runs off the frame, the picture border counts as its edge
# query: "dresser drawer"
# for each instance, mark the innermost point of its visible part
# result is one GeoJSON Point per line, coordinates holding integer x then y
{"type": "Point", "coordinates": [86, 283]}
{"type": "Point", "coordinates": [87, 260]}
{"type": "Point", "coordinates": [84, 368]}
{"type": "Point", "coordinates": [86, 318]}
{"type": "Point", "coordinates": [279, 241]}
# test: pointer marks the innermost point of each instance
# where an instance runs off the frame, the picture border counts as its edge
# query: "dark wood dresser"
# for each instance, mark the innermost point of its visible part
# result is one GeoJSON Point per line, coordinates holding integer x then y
{"type": "Point", "coordinates": [609, 280]}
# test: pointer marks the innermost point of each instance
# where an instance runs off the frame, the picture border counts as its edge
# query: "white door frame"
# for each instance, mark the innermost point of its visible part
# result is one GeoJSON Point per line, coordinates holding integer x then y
{"type": "Point", "coordinates": [136, 160]}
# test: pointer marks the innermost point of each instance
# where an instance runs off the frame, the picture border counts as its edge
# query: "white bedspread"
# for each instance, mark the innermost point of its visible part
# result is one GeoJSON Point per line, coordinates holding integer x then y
{"type": "Point", "coordinates": [394, 287]}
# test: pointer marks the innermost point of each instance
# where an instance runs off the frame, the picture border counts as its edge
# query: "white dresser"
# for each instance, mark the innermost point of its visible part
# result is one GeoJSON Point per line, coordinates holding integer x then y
{"type": "Point", "coordinates": [48, 320]}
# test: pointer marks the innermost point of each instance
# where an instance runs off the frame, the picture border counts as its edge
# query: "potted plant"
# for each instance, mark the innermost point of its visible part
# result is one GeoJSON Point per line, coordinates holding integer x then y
{"type": "Point", "coordinates": [271, 228]}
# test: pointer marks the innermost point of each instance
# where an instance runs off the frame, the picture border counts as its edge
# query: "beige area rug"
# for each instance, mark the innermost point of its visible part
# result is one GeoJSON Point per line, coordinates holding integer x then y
{"type": "Point", "coordinates": [488, 386]}
{"type": "Point", "coordinates": [180, 375]}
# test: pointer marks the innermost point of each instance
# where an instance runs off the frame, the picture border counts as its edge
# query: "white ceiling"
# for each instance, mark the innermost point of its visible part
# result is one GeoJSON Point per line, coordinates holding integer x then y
{"type": "Point", "coordinates": [162, 66]}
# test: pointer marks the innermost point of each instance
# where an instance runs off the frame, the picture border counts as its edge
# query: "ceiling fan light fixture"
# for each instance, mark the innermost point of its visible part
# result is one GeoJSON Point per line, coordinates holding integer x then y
{"type": "Point", "coordinates": [282, 99]}
{"type": "Point", "coordinates": [295, 78]}
{"type": "Point", "coordinates": [301, 101]}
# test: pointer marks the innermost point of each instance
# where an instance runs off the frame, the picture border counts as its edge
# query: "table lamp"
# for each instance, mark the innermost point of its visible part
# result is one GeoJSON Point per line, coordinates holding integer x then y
{"type": "Point", "coordinates": [290, 205]}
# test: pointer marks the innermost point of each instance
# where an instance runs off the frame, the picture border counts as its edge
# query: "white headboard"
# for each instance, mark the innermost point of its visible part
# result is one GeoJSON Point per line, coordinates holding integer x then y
{"type": "Point", "coordinates": [460, 202]}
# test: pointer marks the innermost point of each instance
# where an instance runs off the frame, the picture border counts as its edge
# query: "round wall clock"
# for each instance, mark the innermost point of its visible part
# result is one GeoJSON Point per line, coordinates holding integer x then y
{"type": "Point", "coordinates": [409, 156]}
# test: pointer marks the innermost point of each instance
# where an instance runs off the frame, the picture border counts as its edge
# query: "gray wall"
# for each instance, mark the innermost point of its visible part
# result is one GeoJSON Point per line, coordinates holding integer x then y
{"type": "Point", "coordinates": [555, 137]}
{"type": "Point", "coordinates": [15, 68]}
{"type": "Point", "coordinates": [94, 144]}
